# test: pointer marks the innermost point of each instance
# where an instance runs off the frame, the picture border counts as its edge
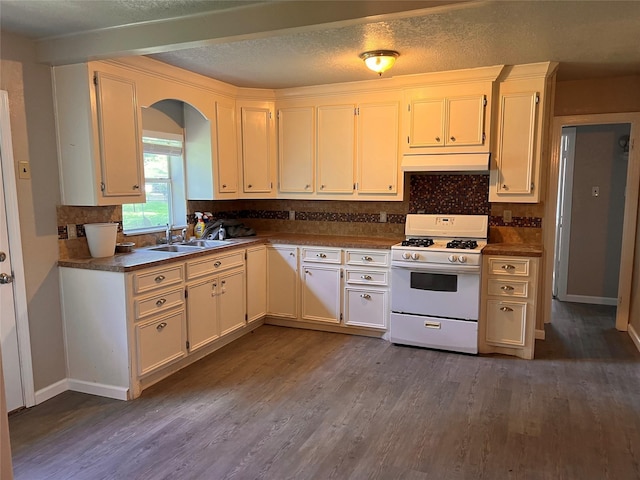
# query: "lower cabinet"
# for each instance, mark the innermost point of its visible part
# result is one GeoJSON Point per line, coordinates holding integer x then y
{"type": "Point", "coordinates": [320, 293]}
{"type": "Point", "coordinates": [160, 341]}
{"type": "Point", "coordinates": [282, 281]}
{"type": "Point", "coordinates": [202, 305]}
{"type": "Point", "coordinates": [508, 313]}
{"type": "Point", "coordinates": [256, 283]}
{"type": "Point", "coordinates": [366, 307]}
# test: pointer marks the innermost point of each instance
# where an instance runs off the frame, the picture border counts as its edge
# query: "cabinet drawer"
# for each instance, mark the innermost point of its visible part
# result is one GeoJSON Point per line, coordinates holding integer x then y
{"type": "Point", "coordinates": [323, 255]}
{"type": "Point", "coordinates": [213, 264]}
{"type": "Point", "coordinates": [366, 308]}
{"type": "Point", "coordinates": [367, 277]}
{"type": "Point", "coordinates": [509, 266]}
{"type": "Point", "coordinates": [508, 287]}
{"type": "Point", "coordinates": [506, 323]}
{"type": "Point", "coordinates": [146, 281]}
{"type": "Point", "coordinates": [363, 257]}
{"type": "Point", "coordinates": [159, 302]}
{"type": "Point", "coordinates": [160, 341]}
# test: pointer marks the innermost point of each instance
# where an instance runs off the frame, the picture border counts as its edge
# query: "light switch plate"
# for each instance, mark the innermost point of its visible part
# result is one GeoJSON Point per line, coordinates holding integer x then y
{"type": "Point", "coordinates": [383, 217]}
{"type": "Point", "coordinates": [72, 231]}
{"type": "Point", "coordinates": [24, 170]}
{"type": "Point", "coordinates": [292, 214]}
{"type": "Point", "coordinates": [506, 216]}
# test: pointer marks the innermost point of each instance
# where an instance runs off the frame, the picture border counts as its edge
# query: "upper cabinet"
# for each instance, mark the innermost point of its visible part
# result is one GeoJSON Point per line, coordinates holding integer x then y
{"type": "Point", "coordinates": [257, 148]}
{"type": "Point", "coordinates": [296, 149]}
{"type": "Point", "coordinates": [525, 104]}
{"type": "Point", "coordinates": [336, 149]}
{"type": "Point", "coordinates": [98, 126]}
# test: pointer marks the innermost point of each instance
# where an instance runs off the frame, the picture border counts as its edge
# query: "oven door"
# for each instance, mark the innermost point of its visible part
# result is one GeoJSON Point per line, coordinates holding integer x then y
{"type": "Point", "coordinates": [437, 291]}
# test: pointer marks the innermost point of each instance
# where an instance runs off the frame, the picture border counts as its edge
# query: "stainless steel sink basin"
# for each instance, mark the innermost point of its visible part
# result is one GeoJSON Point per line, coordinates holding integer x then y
{"type": "Point", "coordinates": [178, 248]}
{"type": "Point", "coordinates": [207, 243]}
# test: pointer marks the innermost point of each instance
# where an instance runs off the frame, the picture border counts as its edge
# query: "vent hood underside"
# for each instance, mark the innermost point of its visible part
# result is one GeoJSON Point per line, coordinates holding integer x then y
{"type": "Point", "coordinates": [452, 162]}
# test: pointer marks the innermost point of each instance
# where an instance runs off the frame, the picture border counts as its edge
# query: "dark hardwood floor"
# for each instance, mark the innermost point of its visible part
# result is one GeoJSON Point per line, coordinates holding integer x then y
{"type": "Point", "coordinates": [293, 404]}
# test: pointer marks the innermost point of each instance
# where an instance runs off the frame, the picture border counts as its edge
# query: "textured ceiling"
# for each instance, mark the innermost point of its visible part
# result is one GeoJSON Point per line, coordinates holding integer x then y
{"type": "Point", "coordinates": [588, 38]}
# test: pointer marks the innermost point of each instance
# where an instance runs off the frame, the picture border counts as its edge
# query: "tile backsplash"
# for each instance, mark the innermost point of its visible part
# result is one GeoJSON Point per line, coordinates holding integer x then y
{"type": "Point", "coordinates": [424, 193]}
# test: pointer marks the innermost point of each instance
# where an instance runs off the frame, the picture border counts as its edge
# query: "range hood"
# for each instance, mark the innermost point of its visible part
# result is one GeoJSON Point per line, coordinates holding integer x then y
{"type": "Point", "coordinates": [446, 162]}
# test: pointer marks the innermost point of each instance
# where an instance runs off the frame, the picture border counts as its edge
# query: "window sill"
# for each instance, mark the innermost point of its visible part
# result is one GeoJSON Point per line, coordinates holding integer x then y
{"type": "Point", "coordinates": [146, 231]}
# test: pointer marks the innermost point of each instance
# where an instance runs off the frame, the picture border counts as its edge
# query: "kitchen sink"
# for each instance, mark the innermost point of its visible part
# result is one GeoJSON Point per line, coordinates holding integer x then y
{"type": "Point", "coordinates": [178, 248]}
{"type": "Point", "coordinates": [206, 243]}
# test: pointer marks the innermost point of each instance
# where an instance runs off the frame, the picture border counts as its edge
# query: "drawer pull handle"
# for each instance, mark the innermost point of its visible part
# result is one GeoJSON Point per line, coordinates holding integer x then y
{"type": "Point", "coordinates": [506, 288]}
{"type": "Point", "coordinates": [367, 258]}
{"type": "Point", "coordinates": [506, 309]}
{"type": "Point", "coordinates": [365, 277]}
{"type": "Point", "coordinates": [321, 255]}
{"type": "Point", "coordinates": [437, 139]}
{"type": "Point", "coordinates": [159, 278]}
{"type": "Point", "coordinates": [508, 267]}
{"type": "Point", "coordinates": [161, 302]}
{"type": "Point", "coordinates": [432, 325]}
{"type": "Point", "coordinates": [453, 139]}
{"type": "Point", "coordinates": [217, 264]}
{"type": "Point", "coordinates": [161, 326]}
{"type": "Point", "coordinates": [366, 296]}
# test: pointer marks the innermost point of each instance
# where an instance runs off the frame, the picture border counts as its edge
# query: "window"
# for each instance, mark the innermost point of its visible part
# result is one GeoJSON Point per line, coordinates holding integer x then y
{"type": "Point", "coordinates": [164, 186]}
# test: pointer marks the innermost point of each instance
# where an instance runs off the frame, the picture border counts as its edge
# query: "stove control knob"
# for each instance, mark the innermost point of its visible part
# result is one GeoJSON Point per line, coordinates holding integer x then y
{"type": "Point", "coordinates": [453, 258]}
{"type": "Point", "coordinates": [462, 259]}
{"type": "Point", "coordinates": [406, 255]}
{"type": "Point", "coordinates": [415, 256]}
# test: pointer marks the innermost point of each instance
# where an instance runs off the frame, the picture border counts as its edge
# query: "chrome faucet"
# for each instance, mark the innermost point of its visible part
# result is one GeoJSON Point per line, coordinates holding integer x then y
{"type": "Point", "coordinates": [168, 234]}
{"type": "Point", "coordinates": [184, 235]}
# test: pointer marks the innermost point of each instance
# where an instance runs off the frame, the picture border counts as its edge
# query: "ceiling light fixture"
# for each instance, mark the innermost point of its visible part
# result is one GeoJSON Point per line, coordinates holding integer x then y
{"type": "Point", "coordinates": [379, 60]}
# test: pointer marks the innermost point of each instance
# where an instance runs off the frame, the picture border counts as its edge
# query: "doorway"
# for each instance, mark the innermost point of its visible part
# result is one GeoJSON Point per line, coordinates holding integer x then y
{"type": "Point", "coordinates": [628, 265]}
{"type": "Point", "coordinates": [590, 209]}
{"type": "Point", "coordinates": [14, 323]}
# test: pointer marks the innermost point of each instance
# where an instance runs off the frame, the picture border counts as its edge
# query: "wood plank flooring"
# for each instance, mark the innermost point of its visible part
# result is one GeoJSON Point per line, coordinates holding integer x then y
{"type": "Point", "coordinates": [295, 404]}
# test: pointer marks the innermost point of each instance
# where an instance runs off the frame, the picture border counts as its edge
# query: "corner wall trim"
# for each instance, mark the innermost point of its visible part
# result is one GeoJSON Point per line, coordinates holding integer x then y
{"type": "Point", "coordinates": [634, 336]}
{"type": "Point", "coordinates": [109, 391]}
{"type": "Point", "coordinates": [51, 391]}
{"type": "Point", "coordinates": [540, 334]}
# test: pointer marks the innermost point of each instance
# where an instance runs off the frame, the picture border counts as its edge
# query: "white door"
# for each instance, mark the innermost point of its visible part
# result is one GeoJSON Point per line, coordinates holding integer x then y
{"type": "Point", "coordinates": [8, 331]}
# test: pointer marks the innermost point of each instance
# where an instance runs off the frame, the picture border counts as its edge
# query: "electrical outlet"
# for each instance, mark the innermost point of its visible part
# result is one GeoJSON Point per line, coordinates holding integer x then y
{"type": "Point", "coordinates": [506, 216]}
{"type": "Point", "coordinates": [383, 217]}
{"type": "Point", "coordinates": [72, 232]}
{"type": "Point", "coordinates": [292, 214]}
{"type": "Point", "coordinates": [24, 170]}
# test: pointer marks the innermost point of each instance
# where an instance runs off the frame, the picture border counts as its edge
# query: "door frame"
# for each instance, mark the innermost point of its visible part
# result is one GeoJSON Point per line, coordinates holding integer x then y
{"type": "Point", "coordinates": [630, 208]}
{"type": "Point", "coordinates": [15, 246]}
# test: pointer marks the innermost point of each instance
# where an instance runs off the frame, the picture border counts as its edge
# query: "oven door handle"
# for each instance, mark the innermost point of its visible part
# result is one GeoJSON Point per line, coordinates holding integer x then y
{"type": "Point", "coordinates": [435, 268]}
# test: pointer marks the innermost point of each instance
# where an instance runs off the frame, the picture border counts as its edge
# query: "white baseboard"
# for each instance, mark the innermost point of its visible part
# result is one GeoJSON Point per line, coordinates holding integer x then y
{"type": "Point", "coordinates": [51, 391]}
{"type": "Point", "coordinates": [592, 300]}
{"type": "Point", "coordinates": [109, 391]}
{"type": "Point", "coordinates": [634, 336]}
{"type": "Point", "coordinates": [540, 335]}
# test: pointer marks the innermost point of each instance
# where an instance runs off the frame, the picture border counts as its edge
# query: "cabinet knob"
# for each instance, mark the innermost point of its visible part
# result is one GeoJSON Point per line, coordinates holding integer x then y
{"type": "Point", "coordinates": [136, 187]}
{"type": "Point", "coordinates": [321, 255]}
{"type": "Point", "coordinates": [505, 187]}
{"type": "Point", "coordinates": [307, 272]}
{"type": "Point", "coordinates": [506, 288]}
{"type": "Point", "coordinates": [390, 187]}
{"type": "Point", "coordinates": [306, 187]}
{"type": "Point", "coordinates": [224, 185]}
{"type": "Point", "coordinates": [161, 302]}
{"type": "Point", "coordinates": [249, 186]}
{"type": "Point", "coordinates": [508, 267]}
{"type": "Point", "coordinates": [161, 326]}
{"type": "Point", "coordinates": [453, 139]}
{"type": "Point", "coordinates": [366, 296]}
{"type": "Point", "coordinates": [291, 254]}
{"type": "Point", "coordinates": [159, 278]}
{"type": "Point", "coordinates": [437, 139]}
{"type": "Point", "coordinates": [217, 264]}
{"type": "Point", "coordinates": [322, 186]}
{"type": "Point", "coordinates": [365, 277]}
{"type": "Point", "coordinates": [506, 309]}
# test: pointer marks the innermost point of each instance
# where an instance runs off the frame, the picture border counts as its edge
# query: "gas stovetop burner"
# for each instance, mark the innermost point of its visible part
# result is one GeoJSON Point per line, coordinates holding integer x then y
{"type": "Point", "coordinates": [463, 244]}
{"type": "Point", "coordinates": [417, 242]}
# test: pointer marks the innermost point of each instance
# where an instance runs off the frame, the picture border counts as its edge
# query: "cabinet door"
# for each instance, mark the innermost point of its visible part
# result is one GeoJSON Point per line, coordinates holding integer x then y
{"type": "Point", "coordinates": [226, 150]}
{"type": "Point", "coordinates": [506, 323]}
{"type": "Point", "coordinates": [296, 149]}
{"type": "Point", "coordinates": [231, 301]}
{"type": "Point", "coordinates": [256, 158]}
{"type": "Point", "coordinates": [336, 149]}
{"type": "Point", "coordinates": [426, 123]}
{"type": "Point", "coordinates": [160, 341]}
{"type": "Point", "coordinates": [282, 281]}
{"type": "Point", "coordinates": [320, 293]}
{"type": "Point", "coordinates": [366, 308]}
{"type": "Point", "coordinates": [465, 125]}
{"type": "Point", "coordinates": [516, 143]}
{"type": "Point", "coordinates": [256, 283]}
{"type": "Point", "coordinates": [120, 138]}
{"type": "Point", "coordinates": [378, 148]}
{"type": "Point", "coordinates": [202, 317]}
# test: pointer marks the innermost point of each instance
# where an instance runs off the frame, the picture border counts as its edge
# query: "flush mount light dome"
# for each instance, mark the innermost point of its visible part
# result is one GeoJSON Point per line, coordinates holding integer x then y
{"type": "Point", "coordinates": [379, 60]}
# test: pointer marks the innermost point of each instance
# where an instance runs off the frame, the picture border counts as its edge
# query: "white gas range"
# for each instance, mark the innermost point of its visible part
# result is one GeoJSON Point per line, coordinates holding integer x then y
{"type": "Point", "coordinates": [435, 282]}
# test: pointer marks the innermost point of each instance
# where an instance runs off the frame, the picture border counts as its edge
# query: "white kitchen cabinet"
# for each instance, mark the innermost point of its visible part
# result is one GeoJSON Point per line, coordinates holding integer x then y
{"type": "Point", "coordinates": [98, 127]}
{"type": "Point", "coordinates": [233, 306]}
{"type": "Point", "coordinates": [257, 142]}
{"type": "Point", "coordinates": [160, 341]}
{"type": "Point", "coordinates": [296, 149]}
{"type": "Point", "coordinates": [282, 281]}
{"type": "Point", "coordinates": [256, 283]}
{"type": "Point", "coordinates": [366, 307]}
{"type": "Point", "coordinates": [226, 147]}
{"type": "Point", "coordinates": [524, 111]}
{"type": "Point", "coordinates": [320, 293]}
{"type": "Point", "coordinates": [336, 137]}
{"type": "Point", "coordinates": [508, 310]}
{"type": "Point", "coordinates": [202, 308]}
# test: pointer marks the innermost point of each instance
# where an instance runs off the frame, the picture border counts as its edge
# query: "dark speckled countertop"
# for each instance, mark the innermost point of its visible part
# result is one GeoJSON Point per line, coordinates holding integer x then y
{"type": "Point", "coordinates": [144, 257]}
{"type": "Point", "coordinates": [513, 250]}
